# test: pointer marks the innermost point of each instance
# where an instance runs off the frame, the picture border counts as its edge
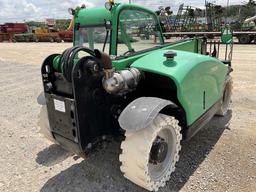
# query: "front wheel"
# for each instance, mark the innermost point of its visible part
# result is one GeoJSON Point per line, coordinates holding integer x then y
{"type": "Point", "coordinates": [149, 155]}
{"type": "Point", "coordinates": [226, 98]}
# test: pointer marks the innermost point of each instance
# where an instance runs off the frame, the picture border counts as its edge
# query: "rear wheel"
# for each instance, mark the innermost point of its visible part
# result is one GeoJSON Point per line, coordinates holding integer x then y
{"type": "Point", "coordinates": [149, 156]}
{"type": "Point", "coordinates": [244, 39]}
{"type": "Point", "coordinates": [226, 98]}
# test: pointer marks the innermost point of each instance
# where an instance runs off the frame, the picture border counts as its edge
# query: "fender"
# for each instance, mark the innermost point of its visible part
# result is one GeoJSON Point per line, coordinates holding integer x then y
{"type": "Point", "coordinates": [140, 113]}
{"type": "Point", "coordinates": [199, 79]}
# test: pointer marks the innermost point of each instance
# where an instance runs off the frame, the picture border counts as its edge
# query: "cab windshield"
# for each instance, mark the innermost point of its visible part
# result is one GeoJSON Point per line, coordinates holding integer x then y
{"type": "Point", "coordinates": [138, 30]}
{"type": "Point", "coordinates": [93, 37]}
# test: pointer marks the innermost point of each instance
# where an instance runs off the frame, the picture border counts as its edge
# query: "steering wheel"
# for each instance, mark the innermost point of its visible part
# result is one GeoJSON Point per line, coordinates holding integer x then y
{"type": "Point", "coordinates": [128, 52]}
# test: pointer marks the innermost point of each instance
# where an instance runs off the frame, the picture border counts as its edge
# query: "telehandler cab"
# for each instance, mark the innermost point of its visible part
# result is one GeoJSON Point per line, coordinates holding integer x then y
{"type": "Point", "coordinates": [121, 79]}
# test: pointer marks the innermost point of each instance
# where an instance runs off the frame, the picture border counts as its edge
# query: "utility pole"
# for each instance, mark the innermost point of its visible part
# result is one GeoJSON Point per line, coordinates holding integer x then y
{"type": "Point", "coordinates": [226, 20]}
{"type": "Point", "coordinates": [130, 1]}
{"type": "Point", "coordinates": [206, 19]}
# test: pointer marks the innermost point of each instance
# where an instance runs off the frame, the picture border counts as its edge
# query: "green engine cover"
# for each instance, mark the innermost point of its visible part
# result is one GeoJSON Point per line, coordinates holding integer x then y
{"type": "Point", "coordinates": [199, 79]}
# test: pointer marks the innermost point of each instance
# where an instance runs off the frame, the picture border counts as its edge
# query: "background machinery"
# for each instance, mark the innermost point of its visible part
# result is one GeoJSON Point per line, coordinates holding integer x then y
{"type": "Point", "coordinates": [8, 30]}
{"type": "Point", "coordinates": [67, 35]}
{"type": "Point", "coordinates": [190, 21]}
{"type": "Point", "coordinates": [47, 33]}
{"type": "Point", "coordinates": [134, 86]}
{"type": "Point", "coordinates": [248, 25]}
{"type": "Point", "coordinates": [186, 19]}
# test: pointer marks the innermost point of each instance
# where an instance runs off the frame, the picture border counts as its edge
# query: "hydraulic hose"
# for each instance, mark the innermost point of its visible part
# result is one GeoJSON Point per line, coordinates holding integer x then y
{"type": "Point", "coordinates": [67, 60]}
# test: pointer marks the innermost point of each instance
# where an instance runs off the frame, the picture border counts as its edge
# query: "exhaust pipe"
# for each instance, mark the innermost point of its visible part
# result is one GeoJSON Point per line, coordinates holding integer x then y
{"type": "Point", "coordinates": [117, 82]}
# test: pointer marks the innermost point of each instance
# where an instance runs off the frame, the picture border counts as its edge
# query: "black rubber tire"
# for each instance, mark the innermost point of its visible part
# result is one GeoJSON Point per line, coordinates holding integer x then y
{"type": "Point", "coordinates": [244, 39]}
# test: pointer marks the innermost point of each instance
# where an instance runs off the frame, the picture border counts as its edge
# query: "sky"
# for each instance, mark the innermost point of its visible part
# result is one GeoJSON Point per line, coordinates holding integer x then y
{"type": "Point", "coordinates": [27, 10]}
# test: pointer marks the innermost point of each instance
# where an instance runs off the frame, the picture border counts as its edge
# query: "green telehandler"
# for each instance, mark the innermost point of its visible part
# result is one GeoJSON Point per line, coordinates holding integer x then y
{"type": "Point", "coordinates": [121, 79]}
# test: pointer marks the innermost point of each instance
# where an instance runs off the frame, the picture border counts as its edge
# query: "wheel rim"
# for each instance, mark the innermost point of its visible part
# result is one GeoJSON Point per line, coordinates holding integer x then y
{"type": "Point", "coordinates": [157, 171]}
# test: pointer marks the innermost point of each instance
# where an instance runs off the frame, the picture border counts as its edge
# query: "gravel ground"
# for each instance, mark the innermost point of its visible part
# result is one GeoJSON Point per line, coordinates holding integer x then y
{"type": "Point", "coordinates": [221, 157]}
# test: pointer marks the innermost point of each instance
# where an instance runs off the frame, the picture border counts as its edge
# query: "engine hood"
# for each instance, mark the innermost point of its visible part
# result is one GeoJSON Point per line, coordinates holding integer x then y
{"type": "Point", "coordinates": [199, 79]}
{"type": "Point", "coordinates": [177, 69]}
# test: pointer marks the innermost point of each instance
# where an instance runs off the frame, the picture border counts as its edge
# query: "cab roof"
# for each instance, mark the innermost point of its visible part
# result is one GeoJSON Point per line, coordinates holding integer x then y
{"type": "Point", "coordinates": [93, 16]}
{"type": "Point", "coordinates": [98, 15]}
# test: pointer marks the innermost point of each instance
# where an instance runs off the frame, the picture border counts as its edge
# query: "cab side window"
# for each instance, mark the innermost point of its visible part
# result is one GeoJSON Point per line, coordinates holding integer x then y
{"type": "Point", "coordinates": [137, 31]}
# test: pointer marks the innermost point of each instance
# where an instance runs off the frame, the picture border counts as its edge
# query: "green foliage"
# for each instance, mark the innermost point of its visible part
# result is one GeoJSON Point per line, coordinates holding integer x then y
{"type": "Point", "coordinates": [61, 24]}
{"type": "Point", "coordinates": [35, 24]}
{"type": "Point", "coordinates": [241, 12]}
